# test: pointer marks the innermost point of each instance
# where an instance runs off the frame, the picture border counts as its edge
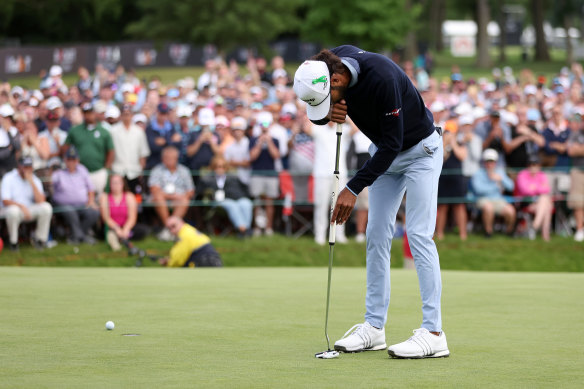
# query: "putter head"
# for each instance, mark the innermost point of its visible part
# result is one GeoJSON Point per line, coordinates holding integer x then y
{"type": "Point", "coordinates": [329, 354]}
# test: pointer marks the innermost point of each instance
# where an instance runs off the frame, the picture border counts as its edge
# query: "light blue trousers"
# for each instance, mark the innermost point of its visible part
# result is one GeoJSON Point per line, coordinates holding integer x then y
{"type": "Point", "coordinates": [415, 171]}
{"type": "Point", "coordinates": [239, 211]}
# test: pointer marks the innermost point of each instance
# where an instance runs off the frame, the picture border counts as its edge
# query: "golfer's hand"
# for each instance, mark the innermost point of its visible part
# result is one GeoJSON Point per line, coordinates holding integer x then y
{"type": "Point", "coordinates": [343, 207]}
{"type": "Point", "coordinates": [339, 112]}
{"type": "Point", "coordinates": [163, 261]}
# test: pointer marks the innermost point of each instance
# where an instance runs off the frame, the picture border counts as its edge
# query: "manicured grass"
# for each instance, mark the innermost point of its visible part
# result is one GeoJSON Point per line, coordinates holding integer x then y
{"type": "Point", "coordinates": [497, 254]}
{"type": "Point", "coordinates": [260, 327]}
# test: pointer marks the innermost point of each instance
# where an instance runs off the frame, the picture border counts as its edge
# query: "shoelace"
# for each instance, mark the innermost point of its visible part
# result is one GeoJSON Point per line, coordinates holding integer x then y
{"type": "Point", "coordinates": [358, 330]}
{"type": "Point", "coordinates": [418, 338]}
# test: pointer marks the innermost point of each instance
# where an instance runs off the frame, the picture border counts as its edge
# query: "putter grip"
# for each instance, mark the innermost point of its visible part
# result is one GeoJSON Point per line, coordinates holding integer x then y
{"type": "Point", "coordinates": [333, 226]}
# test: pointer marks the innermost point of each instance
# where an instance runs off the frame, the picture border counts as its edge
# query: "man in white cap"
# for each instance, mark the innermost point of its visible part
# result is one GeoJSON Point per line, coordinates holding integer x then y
{"type": "Point", "coordinates": [407, 154]}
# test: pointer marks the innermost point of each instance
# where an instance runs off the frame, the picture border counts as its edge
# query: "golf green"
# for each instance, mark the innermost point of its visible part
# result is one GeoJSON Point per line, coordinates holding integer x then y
{"type": "Point", "coordinates": [260, 327]}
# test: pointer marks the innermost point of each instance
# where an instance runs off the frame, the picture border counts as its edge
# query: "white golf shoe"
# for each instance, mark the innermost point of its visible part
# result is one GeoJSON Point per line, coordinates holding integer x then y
{"type": "Point", "coordinates": [422, 344]}
{"type": "Point", "coordinates": [362, 337]}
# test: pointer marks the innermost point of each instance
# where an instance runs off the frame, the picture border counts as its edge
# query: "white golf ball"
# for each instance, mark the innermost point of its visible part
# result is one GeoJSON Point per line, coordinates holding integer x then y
{"type": "Point", "coordinates": [110, 325]}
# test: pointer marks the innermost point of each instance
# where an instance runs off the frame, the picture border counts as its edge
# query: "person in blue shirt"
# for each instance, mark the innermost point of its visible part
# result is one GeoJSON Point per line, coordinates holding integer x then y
{"type": "Point", "coordinates": [488, 184]}
{"type": "Point", "coordinates": [406, 154]}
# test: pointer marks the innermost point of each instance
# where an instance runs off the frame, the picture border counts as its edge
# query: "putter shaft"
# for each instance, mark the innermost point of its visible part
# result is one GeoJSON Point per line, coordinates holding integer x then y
{"type": "Point", "coordinates": [328, 294]}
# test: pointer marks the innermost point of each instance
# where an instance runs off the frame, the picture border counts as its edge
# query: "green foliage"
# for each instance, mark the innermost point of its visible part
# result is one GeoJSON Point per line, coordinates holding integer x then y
{"type": "Point", "coordinates": [225, 23]}
{"type": "Point", "coordinates": [372, 25]}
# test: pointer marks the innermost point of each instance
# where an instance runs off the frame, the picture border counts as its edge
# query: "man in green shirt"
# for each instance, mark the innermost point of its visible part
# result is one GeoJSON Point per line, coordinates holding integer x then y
{"type": "Point", "coordinates": [94, 145]}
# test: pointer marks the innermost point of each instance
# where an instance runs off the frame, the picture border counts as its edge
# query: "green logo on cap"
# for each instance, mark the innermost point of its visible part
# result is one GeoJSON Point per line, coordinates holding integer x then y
{"type": "Point", "coordinates": [320, 79]}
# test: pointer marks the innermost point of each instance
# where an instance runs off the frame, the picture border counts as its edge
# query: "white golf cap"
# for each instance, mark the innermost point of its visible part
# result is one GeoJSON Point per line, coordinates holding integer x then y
{"type": "Point", "coordinates": [265, 118]}
{"type": "Point", "coordinates": [53, 102]}
{"type": "Point", "coordinates": [139, 118]}
{"type": "Point", "coordinates": [6, 110]}
{"type": "Point", "coordinates": [312, 85]}
{"type": "Point", "coordinates": [437, 106]}
{"type": "Point", "coordinates": [490, 155]}
{"type": "Point", "coordinates": [238, 123]}
{"type": "Point", "coordinates": [112, 112]}
{"type": "Point", "coordinates": [184, 111]}
{"type": "Point", "coordinates": [465, 120]}
{"type": "Point", "coordinates": [55, 71]}
{"type": "Point", "coordinates": [206, 117]}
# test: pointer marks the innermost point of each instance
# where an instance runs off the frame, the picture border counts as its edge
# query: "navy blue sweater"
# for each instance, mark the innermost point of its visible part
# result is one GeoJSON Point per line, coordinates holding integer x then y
{"type": "Point", "coordinates": [387, 108]}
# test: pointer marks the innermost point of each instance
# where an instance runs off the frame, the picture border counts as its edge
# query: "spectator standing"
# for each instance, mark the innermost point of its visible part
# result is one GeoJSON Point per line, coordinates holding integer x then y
{"type": "Point", "coordinates": [556, 134]}
{"type": "Point", "coordinates": [131, 150]}
{"type": "Point", "coordinates": [74, 193]}
{"type": "Point", "coordinates": [576, 194]}
{"type": "Point", "coordinates": [160, 133]}
{"type": "Point", "coordinates": [301, 158]}
{"type": "Point", "coordinates": [452, 186]}
{"type": "Point", "coordinates": [24, 200]}
{"type": "Point", "coordinates": [55, 138]}
{"type": "Point", "coordinates": [228, 192]}
{"type": "Point", "coordinates": [171, 186]}
{"type": "Point", "coordinates": [203, 145]}
{"type": "Point", "coordinates": [495, 135]}
{"type": "Point", "coordinates": [525, 139]}
{"type": "Point", "coordinates": [119, 211]}
{"type": "Point", "coordinates": [237, 153]}
{"type": "Point", "coordinates": [533, 182]}
{"type": "Point", "coordinates": [9, 147]}
{"type": "Point", "coordinates": [94, 146]}
{"type": "Point", "coordinates": [488, 184]}
{"type": "Point", "coordinates": [264, 183]}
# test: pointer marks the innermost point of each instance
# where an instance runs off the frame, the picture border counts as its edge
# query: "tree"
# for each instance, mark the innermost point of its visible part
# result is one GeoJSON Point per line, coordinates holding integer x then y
{"type": "Point", "coordinates": [541, 47]}
{"type": "Point", "coordinates": [372, 25]}
{"type": "Point", "coordinates": [566, 11]}
{"type": "Point", "coordinates": [483, 16]}
{"type": "Point", "coordinates": [225, 23]}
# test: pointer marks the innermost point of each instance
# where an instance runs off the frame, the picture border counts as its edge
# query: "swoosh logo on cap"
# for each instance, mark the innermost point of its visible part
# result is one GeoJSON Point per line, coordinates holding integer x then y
{"type": "Point", "coordinates": [320, 79]}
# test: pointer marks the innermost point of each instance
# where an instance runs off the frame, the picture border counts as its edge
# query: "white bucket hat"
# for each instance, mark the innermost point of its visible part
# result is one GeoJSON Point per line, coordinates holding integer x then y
{"type": "Point", "coordinates": [312, 85]}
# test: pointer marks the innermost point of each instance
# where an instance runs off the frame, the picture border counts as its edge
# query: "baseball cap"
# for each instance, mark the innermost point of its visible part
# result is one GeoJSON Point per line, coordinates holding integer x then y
{"type": "Point", "coordinates": [437, 106]}
{"type": "Point", "coordinates": [265, 118]}
{"type": "Point", "coordinates": [53, 103]}
{"type": "Point", "coordinates": [25, 161]}
{"type": "Point", "coordinates": [206, 117]}
{"type": "Point", "coordinates": [312, 85]}
{"type": "Point", "coordinates": [71, 153]}
{"type": "Point", "coordinates": [530, 89]}
{"type": "Point", "coordinates": [163, 108]}
{"type": "Point", "coordinates": [6, 110]}
{"type": "Point", "coordinates": [17, 90]}
{"type": "Point", "coordinates": [100, 106]}
{"type": "Point", "coordinates": [139, 118]}
{"type": "Point", "coordinates": [87, 107]}
{"type": "Point", "coordinates": [221, 121]}
{"type": "Point", "coordinates": [112, 112]}
{"type": "Point", "coordinates": [184, 111]}
{"type": "Point", "coordinates": [55, 70]}
{"type": "Point", "coordinates": [238, 123]}
{"type": "Point", "coordinates": [490, 155]}
{"type": "Point", "coordinates": [456, 77]}
{"type": "Point", "coordinates": [127, 88]}
{"type": "Point", "coordinates": [465, 120]}
{"type": "Point", "coordinates": [279, 73]}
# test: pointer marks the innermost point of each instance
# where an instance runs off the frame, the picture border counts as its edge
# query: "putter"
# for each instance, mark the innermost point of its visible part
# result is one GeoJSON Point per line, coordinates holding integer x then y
{"type": "Point", "coordinates": [133, 250]}
{"type": "Point", "coordinates": [330, 354]}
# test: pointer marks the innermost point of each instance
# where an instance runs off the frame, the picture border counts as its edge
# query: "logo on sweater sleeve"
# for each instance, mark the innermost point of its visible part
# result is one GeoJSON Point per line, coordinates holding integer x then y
{"type": "Point", "coordinates": [395, 112]}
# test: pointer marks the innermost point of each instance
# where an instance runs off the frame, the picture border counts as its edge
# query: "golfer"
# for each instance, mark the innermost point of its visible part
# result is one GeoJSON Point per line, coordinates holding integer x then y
{"type": "Point", "coordinates": [406, 155]}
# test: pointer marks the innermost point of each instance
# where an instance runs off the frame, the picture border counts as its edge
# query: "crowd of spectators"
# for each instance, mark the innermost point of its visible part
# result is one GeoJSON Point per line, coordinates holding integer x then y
{"type": "Point", "coordinates": [115, 145]}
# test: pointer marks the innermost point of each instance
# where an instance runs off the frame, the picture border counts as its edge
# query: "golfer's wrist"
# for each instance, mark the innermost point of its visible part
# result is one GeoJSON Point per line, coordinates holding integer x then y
{"type": "Point", "coordinates": [350, 190]}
